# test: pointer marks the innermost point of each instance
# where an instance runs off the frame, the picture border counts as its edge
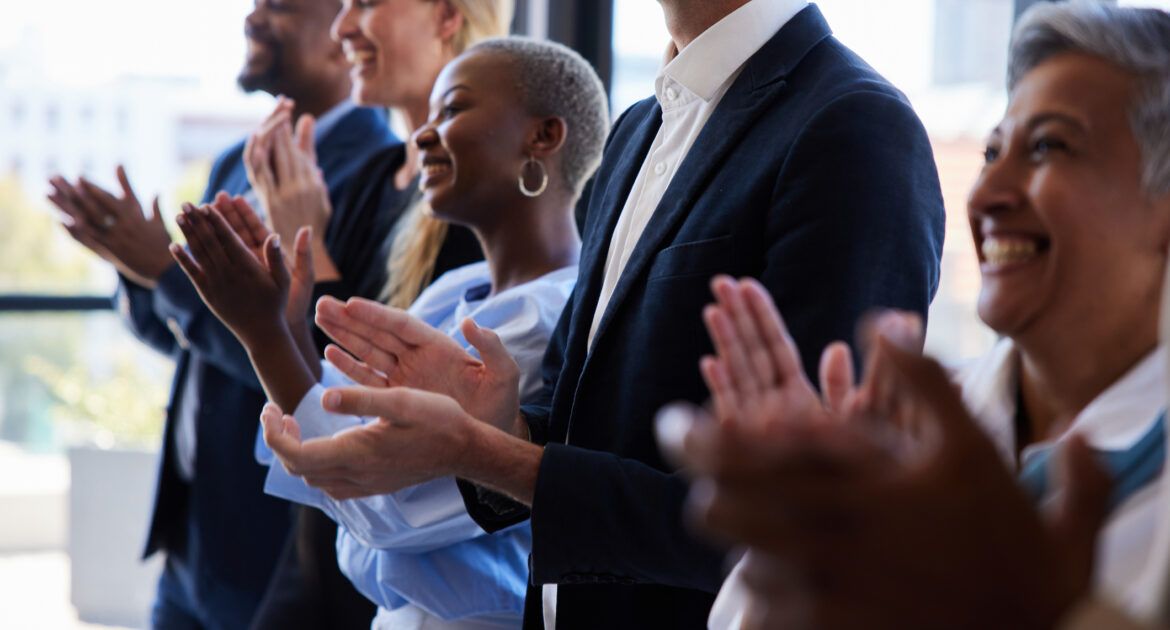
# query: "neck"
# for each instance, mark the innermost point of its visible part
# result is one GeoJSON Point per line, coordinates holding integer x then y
{"type": "Point", "coordinates": [538, 236]}
{"type": "Point", "coordinates": [1059, 378]}
{"type": "Point", "coordinates": [687, 19]}
{"type": "Point", "coordinates": [318, 100]}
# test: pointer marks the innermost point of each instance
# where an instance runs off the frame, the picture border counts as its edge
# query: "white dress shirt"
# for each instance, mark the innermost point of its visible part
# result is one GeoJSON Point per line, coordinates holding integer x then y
{"type": "Point", "coordinates": [689, 89]}
{"type": "Point", "coordinates": [1114, 420]}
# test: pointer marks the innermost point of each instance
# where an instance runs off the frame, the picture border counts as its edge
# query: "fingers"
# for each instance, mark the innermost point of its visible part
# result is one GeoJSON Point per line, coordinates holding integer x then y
{"type": "Point", "coordinates": [724, 397]}
{"type": "Point", "coordinates": [282, 152]}
{"type": "Point", "coordinates": [398, 405]}
{"type": "Point", "coordinates": [397, 322]}
{"type": "Point", "coordinates": [836, 377]}
{"type": "Point", "coordinates": [106, 203]}
{"type": "Point", "coordinates": [274, 260]}
{"type": "Point", "coordinates": [358, 371]}
{"type": "Point", "coordinates": [124, 183]}
{"type": "Point", "coordinates": [231, 247]}
{"type": "Point", "coordinates": [188, 265]}
{"type": "Point", "coordinates": [303, 254]}
{"type": "Point", "coordinates": [82, 207]}
{"type": "Point", "coordinates": [230, 212]}
{"type": "Point", "coordinates": [342, 331]}
{"type": "Point", "coordinates": [155, 211]}
{"type": "Point", "coordinates": [731, 352]}
{"type": "Point", "coordinates": [781, 347]}
{"type": "Point", "coordinates": [748, 333]}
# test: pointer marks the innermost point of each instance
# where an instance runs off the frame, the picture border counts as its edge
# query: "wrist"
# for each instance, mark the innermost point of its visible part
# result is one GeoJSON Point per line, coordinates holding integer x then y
{"type": "Point", "coordinates": [499, 461]}
{"type": "Point", "coordinates": [261, 337]}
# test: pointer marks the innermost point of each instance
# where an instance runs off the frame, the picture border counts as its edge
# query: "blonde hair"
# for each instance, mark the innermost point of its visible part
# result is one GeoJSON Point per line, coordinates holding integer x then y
{"type": "Point", "coordinates": [419, 234]}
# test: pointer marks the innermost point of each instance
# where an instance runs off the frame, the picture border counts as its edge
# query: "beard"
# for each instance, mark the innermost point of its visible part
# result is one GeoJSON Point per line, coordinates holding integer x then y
{"type": "Point", "coordinates": [262, 70]}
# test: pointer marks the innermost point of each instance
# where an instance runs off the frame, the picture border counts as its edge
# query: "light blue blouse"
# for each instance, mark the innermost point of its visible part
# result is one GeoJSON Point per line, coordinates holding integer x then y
{"type": "Point", "coordinates": [418, 546]}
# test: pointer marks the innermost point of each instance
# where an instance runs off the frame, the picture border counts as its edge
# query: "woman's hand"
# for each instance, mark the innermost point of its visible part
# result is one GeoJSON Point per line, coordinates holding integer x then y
{"type": "Point", "coordinates": [282, 166]}
{"type": "Point", "coordinates": [246, 290]}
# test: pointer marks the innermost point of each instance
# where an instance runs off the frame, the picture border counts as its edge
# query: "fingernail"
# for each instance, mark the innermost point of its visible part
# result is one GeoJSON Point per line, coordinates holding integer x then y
{"type": "Point", "coordinates": [330, 400]}
{"type": "Point", "coordinates": [276, 240]}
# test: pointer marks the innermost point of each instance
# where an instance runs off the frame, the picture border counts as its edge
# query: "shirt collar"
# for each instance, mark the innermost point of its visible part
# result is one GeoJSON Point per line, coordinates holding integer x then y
{"type": "Point", "coordinates": [717, 54]}
{"type": "Point", "coordinates": [327, 121]}
{"type": "Point", "coordinates": [1115, 420]}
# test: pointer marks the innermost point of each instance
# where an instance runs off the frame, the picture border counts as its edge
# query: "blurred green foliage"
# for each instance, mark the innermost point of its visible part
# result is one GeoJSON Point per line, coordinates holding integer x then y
{"type": "Point", "coordinates": [68, 378]}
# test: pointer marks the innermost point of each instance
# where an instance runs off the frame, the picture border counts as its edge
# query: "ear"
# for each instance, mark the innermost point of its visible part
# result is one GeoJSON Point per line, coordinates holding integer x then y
{"type": "Point", "coordinates": [546, 137]}
{"type": "Point", "coordinates": [450, 20]}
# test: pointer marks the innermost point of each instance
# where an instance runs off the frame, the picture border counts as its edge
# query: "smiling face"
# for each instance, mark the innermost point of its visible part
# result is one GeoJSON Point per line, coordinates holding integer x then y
{"type": "Point", "coordinates": [473, 144]}
{"type": "Point", "coordinates": [396, 47]}
{"type": "Point", "coordinates": [1067, 240]}
{"type": "Point", "coordinates": [289, 45]}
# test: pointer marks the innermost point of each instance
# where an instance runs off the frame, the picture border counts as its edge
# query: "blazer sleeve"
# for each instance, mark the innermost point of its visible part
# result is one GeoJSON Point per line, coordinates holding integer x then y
{"type": "Point", "coordinates": [855, 222]}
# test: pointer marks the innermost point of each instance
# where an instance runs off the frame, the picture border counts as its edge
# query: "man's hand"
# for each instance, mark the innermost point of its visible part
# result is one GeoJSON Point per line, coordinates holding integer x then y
{"type": "Point", "coordinates": [394, 349]}
{"type": "Point", "coordinates": [115, 228]}
{"type": "Point", "coordinates": [418, 436]}
{"type": "Point", "coordinates": [852, 533]}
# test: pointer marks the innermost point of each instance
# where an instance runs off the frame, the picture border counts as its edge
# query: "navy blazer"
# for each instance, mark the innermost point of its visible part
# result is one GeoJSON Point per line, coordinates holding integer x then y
{"type": "Point", "coordinates": [813, 175]}
{"type": "Point", "coordinates": [222, 525]}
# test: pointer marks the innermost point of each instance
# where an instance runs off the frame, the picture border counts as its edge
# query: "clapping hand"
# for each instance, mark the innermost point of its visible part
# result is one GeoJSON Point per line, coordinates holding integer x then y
{"type": "Point", "coordinates": [418, 436]}
{"type": "Point", "coordinates": [281, 163]}
{"type": "Point", "coordinates": [115, 228]}
{"type": "Point", "coordinates": [391, 348]}
{"type": "Point", "coordinates": [246, 289]}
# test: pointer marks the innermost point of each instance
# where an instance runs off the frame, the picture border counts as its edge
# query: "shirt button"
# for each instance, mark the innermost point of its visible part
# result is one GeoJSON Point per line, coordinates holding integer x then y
{"type": "Point", "coordinates": [671, 94]}
{"type": "Point", "coordinates": [659, 168]}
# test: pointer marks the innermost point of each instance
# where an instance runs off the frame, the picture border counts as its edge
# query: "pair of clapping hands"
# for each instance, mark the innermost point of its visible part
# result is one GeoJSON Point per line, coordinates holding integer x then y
{"type": "Point", "coordinates": [425, 387]}
{"type": "Point", "coordinates": [881, 505]}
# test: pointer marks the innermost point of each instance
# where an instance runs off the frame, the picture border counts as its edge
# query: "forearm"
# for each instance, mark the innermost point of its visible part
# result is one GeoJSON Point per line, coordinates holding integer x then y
{"type": "Point", "coordinates": [303, 336]}
{"type": "Point", "coordinates": [501, 462]}
{"type": "Point", "coordinates": [280, 366]}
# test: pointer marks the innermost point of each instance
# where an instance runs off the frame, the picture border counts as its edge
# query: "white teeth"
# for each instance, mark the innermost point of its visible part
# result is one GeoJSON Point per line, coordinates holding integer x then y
{"type": "Point", "coordinates": [1004, 251]}
{"type": "Point", "coordinates": [359, 56]}
{"type": "Point", "coordinates": [434, 169]}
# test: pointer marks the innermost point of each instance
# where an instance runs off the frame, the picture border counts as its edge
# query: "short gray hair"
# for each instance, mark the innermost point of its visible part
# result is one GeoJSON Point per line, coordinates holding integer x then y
{"type": "Point", "coordinates": [553, 80]}
{"type": "Point", "coordinates": [1135, 40]}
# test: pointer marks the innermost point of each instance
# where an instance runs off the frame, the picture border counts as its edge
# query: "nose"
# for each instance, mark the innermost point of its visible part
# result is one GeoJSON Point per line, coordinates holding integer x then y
{"type": "Point", "coordinates": [998, 188]}
{"type": "Point", "coordinates": [425, 136]}
{"type": "Point", "coordinates": [254, 20]}
{"type": "Point", "coordinates": [344, 25]}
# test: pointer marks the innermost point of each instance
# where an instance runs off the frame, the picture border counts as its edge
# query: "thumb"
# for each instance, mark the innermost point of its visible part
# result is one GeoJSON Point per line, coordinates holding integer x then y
{"type": "Point", "coordinates": [303, 263]}
{"type": "Point", "coordinates": [491, 350]}
{"type": "Point", "coordinates": [274, 260]}
{"type": "Point", "coordinates": [1083, 504]}
{"type": "Point", "coordinates": [155, 212]}
{"type": "Point", "coordinates": [836, 375]}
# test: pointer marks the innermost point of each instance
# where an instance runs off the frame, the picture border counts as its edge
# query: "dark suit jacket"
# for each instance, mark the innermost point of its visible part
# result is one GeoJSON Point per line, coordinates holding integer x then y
{"type": "Point", "coordinates": [814, 176]}
{"type": "Point", "coordinates": [222, 526]}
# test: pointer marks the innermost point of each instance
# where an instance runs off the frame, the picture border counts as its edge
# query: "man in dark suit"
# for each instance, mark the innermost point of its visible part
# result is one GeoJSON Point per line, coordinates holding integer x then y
{"type": "Point", "coordinates": [770, 151]}
{"type": "Point", "coordinates": [221, 533]}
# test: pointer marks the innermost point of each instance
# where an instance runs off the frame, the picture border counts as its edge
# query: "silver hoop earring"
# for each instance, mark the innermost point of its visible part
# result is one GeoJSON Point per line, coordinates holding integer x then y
{"type": "Point", "coordinates": [543, 178]}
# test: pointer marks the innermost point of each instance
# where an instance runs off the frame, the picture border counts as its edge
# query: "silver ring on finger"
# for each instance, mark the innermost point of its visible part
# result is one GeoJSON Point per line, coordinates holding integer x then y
{"type": "Point", "coordinates": [109, 221]}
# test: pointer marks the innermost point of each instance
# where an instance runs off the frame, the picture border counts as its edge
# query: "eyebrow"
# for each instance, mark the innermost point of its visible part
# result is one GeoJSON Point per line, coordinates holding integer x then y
{"type": "Point", "coordinates": [453, 88]}
{"type": "Point", "coordinates": [1040, 119]}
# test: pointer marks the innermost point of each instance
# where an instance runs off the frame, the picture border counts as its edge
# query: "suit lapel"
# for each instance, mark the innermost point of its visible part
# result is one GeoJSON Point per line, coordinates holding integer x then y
{"type": "Point", "coordinates": [612, 200]}
{"type": "Point", "coordinates": [756, 90]}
